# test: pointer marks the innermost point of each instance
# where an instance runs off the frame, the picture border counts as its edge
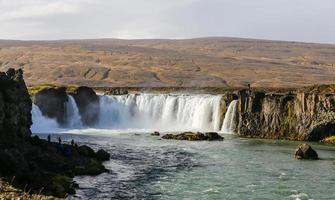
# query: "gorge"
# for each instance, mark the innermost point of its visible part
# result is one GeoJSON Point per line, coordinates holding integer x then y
{"type": "Point", "coordinates": [144, 166]}
{"type": "Point", "coordinates": [291, 115]}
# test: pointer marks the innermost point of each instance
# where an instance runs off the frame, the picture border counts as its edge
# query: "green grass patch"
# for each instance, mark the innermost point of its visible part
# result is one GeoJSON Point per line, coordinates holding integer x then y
{"type": "Point", "coordinates": [32, 90]}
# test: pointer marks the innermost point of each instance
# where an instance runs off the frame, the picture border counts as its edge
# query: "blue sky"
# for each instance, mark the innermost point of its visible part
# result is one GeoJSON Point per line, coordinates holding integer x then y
{"type": "Point", "coordinates": [294, 20]}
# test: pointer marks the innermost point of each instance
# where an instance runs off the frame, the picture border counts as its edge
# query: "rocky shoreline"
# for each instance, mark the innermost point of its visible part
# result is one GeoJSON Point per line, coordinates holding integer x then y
{"type": "Point", "coordinates": [33, 164]}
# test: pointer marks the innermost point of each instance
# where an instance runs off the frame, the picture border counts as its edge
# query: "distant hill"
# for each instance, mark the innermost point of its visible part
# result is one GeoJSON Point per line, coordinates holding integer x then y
{"type": "Point", "coordinates": [202, 62]}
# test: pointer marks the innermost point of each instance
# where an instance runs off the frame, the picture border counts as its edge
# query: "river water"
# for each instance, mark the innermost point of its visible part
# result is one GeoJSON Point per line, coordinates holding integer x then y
{"type": "Point", "coordinates": [146, 167]}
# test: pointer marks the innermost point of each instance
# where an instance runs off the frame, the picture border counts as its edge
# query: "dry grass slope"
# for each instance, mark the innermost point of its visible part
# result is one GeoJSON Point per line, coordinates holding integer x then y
{"type": "Point", "coordinates": [204, 62]}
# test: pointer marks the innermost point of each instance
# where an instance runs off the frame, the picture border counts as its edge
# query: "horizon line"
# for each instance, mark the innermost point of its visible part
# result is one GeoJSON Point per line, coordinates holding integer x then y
{"type": "Point", "coordinates": [171, 39]}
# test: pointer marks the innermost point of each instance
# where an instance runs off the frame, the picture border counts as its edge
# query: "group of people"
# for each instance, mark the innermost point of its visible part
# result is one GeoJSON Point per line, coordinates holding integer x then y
{"type": "Point", "coordinates": [60, 140]}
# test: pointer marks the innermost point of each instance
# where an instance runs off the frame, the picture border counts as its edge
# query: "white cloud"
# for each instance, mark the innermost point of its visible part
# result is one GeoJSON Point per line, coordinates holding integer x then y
{"type": "Point", "coordinates": [302, 20]}
{"type": "Point", "coordinates": [19, 9]}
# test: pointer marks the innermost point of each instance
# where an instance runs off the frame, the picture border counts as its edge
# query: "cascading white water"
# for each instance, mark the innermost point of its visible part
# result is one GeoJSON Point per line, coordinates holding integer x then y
{"type": "Point", "coordinates": [42, 124]}
{"type": "Point", "coordinates": [228, 125]}
{"type": "Point", "coordinates": [72, 114]}
{"type": "Point", "coordinates": [160, 112]}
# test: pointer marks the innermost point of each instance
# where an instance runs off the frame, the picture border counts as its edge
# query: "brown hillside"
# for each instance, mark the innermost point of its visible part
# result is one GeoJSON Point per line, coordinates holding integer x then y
{"type": "Point", "coordinates": [205, 62]}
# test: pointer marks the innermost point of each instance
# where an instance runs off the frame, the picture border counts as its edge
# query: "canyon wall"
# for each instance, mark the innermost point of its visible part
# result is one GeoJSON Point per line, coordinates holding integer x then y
{"type": "Point", "coordinates": [295, 115]}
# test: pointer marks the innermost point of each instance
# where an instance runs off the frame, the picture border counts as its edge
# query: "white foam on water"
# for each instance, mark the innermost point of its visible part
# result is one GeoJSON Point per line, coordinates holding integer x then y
{"type": "Point", "coordinates": [42, 124]}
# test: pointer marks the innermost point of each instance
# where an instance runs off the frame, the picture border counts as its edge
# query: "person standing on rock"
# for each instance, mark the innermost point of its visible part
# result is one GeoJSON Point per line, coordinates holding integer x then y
{"type": "Point", "coordinates": [49, 138]}
{"type": "Point", "coordinates": [59, 140]}
{"type": "Point", "coordinates": [72, 143]}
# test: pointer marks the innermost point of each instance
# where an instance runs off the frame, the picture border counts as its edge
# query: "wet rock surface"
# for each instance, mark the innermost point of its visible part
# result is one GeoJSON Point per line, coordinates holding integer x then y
{"type": "Point", "coordinates": [155, 134]}
{"type": "Point", "coordinates": [305, 151]}
{"type": "Point", "coordinates": [37, 164]}
{"type": "Point", "coordinates": [88, 104]}
{"type": "Point", "coordinates": [52, 103]}
{"type": "Point", "coordinates": [191, 136]}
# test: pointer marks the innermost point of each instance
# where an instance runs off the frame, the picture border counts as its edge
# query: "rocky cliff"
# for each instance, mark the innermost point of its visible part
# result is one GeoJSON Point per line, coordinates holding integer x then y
{"type": "Point", "coordinates": [294, 115]}
{"type": "Point", "coordinates": [30, 163]}
{"type": "Point", "coordinates": [15, 105]}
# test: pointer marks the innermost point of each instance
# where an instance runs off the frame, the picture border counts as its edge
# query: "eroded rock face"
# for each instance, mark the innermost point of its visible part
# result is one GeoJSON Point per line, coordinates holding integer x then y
{"type": "Point", "coordinates": [88, 104]}
{"type": "Point", "coordinates": [52, 103]}
{"type": "Point", "coordinates": [295, 116]}
{"type": "Point", "coordinates": [305, 151]}
{"type": "Point", "coordinates": [15, 105]}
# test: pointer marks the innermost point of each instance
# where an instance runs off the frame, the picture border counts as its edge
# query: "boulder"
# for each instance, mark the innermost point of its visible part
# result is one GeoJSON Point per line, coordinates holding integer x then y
{"type": "Point", "coordinates": [102, 155]}
{"type": "Point", "coordinates": [213, 136]}
{"type": "Point", "coordinates": [191, 136]}
{"type": "Point", "coordinates": [86, 151]}
{"type": "Point", "coordinates": [52, 103]}
{"type": "Point", "coordinates": [155, 133]}
{"type": "Point", "coordinates": [305, 151]}
{"type": "Point", "coordinates": [88, 104]}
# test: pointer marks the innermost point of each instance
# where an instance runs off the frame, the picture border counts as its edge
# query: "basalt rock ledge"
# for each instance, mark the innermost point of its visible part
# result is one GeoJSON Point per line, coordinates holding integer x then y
{"type": "Point", "coordinates": [292, 115]}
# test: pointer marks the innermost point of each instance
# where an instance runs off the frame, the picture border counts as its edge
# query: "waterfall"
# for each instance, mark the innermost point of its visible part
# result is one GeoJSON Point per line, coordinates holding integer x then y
{"type": "Point", "coordinates": [42, 124]}
{"type": "Point", "coordinates": [164, 112]}
{"type": "Point", "coordinates": [228, 125]}
{"type": "Point", "coordinates": [72, 114]}
{"type": "Point", "coordinates": [147, 112]}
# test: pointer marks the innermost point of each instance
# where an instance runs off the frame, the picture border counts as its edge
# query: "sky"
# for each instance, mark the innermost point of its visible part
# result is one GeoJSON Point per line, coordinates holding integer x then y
{"type": "Point", "coordinates": [291, 20]}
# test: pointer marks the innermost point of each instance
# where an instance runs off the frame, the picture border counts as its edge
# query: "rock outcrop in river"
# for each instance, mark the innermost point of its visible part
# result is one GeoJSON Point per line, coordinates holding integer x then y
{"type": "Point", "coordinates": [52, 103]}
{"type": "Point", "coordinates": [88, 104]}
{"type": "Point", "coordinates": [191, 136]}
{"type": "Point", "coordinates": [295, 115]}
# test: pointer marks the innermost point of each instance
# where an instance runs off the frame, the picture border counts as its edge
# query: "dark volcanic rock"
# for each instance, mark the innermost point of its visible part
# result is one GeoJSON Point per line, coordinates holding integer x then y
{"type": "Point", "coordinates": [155, 133]}
{"type": "Point", "coordinates": [52, 103]}
{"type": "Point", "coordinates": [213, 136]}
{"type": "Point", "coordinates": [86, 151]}
{"type": "Point", "coordinates": [88, 104]}
{"type": "Point", "coordinates": [103, 155]}
{"type": "Point", "coordinates": [306, 152]}
{"type": "Point", "coordinates": [15, 105]}
{"type": "Point", "coordinates": [193, 136]}
{"type": "Point", "coordinates": [36, 163]}
{"type": "Point", "coordinates": [296, 115]}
